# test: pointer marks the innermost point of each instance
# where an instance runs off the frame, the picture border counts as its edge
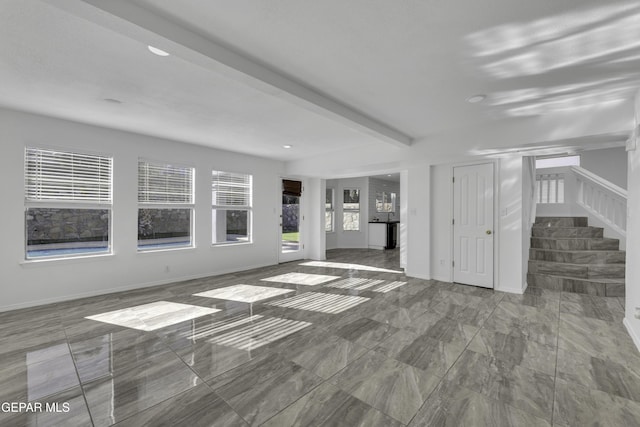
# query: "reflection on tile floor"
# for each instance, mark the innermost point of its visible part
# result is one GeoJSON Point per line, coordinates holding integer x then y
{"type": "Point", "coordinates": [371, 349]}
{"type": "Point", "coordinates": [247, 333]}
{"type": "Point", "coordinates": [244, 293]}
{"type": "Point", "coordinates": [301, 279]}
{"type": "Point", "coordinates": [152, 316]}
{"type": "Point", "coordinates": [323, 303]}
{"type": "Point", "coordinates": [258, 333]}
{"type": "Point", "coordinates": [359, 284]}
{"type": "Point", "coordinates": [348, 266]}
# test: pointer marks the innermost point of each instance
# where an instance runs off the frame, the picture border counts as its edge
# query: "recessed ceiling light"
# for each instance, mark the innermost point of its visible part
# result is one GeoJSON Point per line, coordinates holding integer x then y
{"type": "Point", "coordinates": [157, 51]}
{"type": "Point", "coordinates": [389, 175]}
{"type": "Point", "coordinates": [112, 101]}
{"type": "Point", "coordinates": [287, 146]}
{"type": "Point", "coordinates": [476, 98]}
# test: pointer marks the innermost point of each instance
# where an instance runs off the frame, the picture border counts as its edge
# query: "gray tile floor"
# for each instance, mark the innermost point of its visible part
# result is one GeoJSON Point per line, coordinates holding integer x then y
{"type": "Point", "coordinates": [403, 352]}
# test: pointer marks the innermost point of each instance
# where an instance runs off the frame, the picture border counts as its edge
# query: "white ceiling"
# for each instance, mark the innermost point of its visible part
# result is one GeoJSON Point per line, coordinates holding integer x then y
{"type": "Point", "coordinates": [392, 177]}
{"type": "Point", "coordinates": [329, 76]}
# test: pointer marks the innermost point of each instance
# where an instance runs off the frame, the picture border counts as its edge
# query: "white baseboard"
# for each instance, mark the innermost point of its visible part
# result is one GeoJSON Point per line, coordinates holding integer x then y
{"type": "Point", "coordinates": [518, 291]}
{"type": "Point", "coordinates": [94, 293]}
{"type": "Point", "coordinates": [634, 337]}
{"type": "Point", "coordinates": [416, 276]}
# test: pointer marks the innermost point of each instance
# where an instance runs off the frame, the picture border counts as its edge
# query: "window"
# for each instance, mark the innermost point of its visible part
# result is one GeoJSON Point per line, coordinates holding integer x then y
{"type": "Point", "coordinates": [67, 203]}
{"type": "Point", "coordinates": [556, 162]}
{"type": "Point", "coordinates": [351, 209]}
{"type": "Point", "coordinates": [231, 207]}
{"type": "Point", "coordinates": [550, 188]}
{"type": "Point", "coordinates": [165, 206]}
{"type": "Point", "coordinates": [328, 211]}
{"type": "Point", "coordinates": [385, 202]}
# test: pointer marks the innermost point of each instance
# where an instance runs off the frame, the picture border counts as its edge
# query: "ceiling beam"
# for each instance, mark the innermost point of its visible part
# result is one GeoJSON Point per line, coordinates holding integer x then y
{"type": "Point", "coordinates": [151, 28]}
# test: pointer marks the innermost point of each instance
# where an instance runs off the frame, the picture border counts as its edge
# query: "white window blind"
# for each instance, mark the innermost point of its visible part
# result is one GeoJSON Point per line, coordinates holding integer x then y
{"type": "Point", "coordinates": [64, 176]}
{"type": "Point", "coordinates": [231, 189]}
{"type": "Point", "coordinates": [550, 188]}
{"type": "Point", "coordinates": [164, 184]}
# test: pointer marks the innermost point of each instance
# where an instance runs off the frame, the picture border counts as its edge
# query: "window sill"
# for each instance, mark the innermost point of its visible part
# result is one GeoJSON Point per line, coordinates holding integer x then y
{"type": "Point", "coordinates": [165, 250]}
{"type": "Point", "coordinates": [218, 245]}
{"type": "Point", "coordinates": [65, 260]}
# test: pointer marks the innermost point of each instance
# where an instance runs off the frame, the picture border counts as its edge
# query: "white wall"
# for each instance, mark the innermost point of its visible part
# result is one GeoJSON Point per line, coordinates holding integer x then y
{"type": "Point", "coordinates": [511, 266]}
{"type": "Point", "coordinates": [331, 241]}
{"type": "Point", "coordinates": [528, 211]}
{"type": "Point", "coordinates": [313, 211]}
{"type": "Point", "coordinates": [417, 222]}
{"type": "Point", "coordinates": [632, 288]}
{"type": "Point", "coordinates": [30, 283]}
{"type": "Point", "coordinates": [441, 215]}
{"type": "Point", "coordinates": [610, 164]}
{"type": "Point", "coordinates": [404, 214]}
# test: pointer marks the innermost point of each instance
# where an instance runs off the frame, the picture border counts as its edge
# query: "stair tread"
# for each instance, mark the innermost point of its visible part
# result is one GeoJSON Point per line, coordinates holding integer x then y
{"type": "Point", "coordinates": [563, 226]}
{"type": "Point", "coordinates": [577, 264]}
{"type": "Point", "coordinates": [560, 217]}
{"type": "Point", "coordinates": [575, 238]}
{"type": "Point", "coordinates": [578, 250]}
{"type": "Point", "coordinates": [595, 280]}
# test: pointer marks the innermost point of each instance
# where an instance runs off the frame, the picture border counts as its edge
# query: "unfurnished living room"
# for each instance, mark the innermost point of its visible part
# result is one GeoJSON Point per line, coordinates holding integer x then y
{"type": "Point", "coordinates": [319, 213]}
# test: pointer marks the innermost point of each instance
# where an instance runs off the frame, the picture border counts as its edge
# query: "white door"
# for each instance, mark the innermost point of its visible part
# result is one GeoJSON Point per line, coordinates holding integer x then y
{"type": "Point", "coordinates": [291, 217]}
{"type": "Point", "coordinates": [473, 225]}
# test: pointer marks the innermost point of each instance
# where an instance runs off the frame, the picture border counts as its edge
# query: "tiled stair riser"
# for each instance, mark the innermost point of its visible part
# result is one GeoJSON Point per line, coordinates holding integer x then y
{"type": "Point", "coordinates": [567, 232]}
{"type": "Point", "coordinates": [602, 288]}
{"type": "Point", "coordinates": [568, 255]}
{"type": "Point", "coordinates": [561, 222]}
{"type": "Point", "coordinates": [579, 244]}
{"type": "Point", "coordinates": [584, 271]}
{"type": "Point", "coordinates": [578, 257]}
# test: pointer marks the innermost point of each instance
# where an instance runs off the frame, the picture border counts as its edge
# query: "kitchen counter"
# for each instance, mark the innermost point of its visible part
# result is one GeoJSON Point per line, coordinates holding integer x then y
{"type": "Point", "coordinates": [383, 237]}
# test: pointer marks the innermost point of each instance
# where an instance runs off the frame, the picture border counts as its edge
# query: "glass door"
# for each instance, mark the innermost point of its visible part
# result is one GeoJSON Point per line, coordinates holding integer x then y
{"type": "Point", "coordinates": [291, 247]}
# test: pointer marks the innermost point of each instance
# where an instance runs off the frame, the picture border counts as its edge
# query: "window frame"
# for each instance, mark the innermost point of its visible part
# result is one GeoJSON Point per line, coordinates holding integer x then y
{"type": "Point", "coordinates": [168, 205]}
{"type": "Point", "coordinates": [247, 207]}
{"type": "Point", "coordinates": [384, 200]}
{"type": "Point", "coordinates": [103, 202]}
{"type": "Point", "coordinates": [351, 210]}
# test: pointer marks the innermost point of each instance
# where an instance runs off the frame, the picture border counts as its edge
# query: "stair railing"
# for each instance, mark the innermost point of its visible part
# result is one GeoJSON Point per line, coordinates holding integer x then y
{"type": "Point", "coordinates": [601, 198]}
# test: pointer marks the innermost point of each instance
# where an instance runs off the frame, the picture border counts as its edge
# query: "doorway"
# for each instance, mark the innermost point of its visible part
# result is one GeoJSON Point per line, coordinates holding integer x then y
{"type": "Point", "coordinates": [473, 197]}
{"type": "Point", "coordinates": [291, 217]}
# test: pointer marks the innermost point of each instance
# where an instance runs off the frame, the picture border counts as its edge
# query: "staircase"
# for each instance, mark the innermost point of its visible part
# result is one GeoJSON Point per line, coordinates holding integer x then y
{"type": "Point", "coordinates": [567, 255]}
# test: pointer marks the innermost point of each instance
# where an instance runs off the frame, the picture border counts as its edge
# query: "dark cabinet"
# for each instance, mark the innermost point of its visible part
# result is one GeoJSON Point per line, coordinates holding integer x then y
{"type": "Point", "coordinates": [392, 235]}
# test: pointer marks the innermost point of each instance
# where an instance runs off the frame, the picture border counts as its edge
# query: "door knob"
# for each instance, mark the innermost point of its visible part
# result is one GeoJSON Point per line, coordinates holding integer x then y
{"type": "Point", "coordinates": [488, 231]}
